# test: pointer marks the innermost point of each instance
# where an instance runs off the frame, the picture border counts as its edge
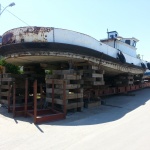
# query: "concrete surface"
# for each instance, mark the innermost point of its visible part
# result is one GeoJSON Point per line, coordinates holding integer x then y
{"type": "Point", "coordinates": [123, 124]}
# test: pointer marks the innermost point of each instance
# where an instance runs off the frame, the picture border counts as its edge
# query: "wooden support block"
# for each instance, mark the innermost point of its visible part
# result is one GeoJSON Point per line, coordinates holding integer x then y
{"type": "Point", "coordinates": [88, 79]}
{"type": "Point", "coordinates": [7, 79]}
{"type": "Point", "coordinates": [130, 77]}
{"type": "Point", "coordinates": [56, 100]}
{"type": "Point", "coordinates": [6, 75]}
{"type": "Point", "coordinates": [75, 105]}
{"type": "Point", "coordinates": [98, 83]}
{"type": "Point", "coordinates": [51, 76]}
{"type": "Point", "coordinates": [69, 86]}
{"type": "Point", "coordinates": [4, 93]}
{"type": "Point", "coordinates": [62, 72]}
{"type": "Point", "coordinates": [56, 81]}
{"type": "Point", "coordinates": [94, 104]}
{"type": "Point", "coordinates": [72, 77]}
{"type": "Point", "coordinates": [5, 87]}
{"type": "Point", "coordinates": [56, 91]}
{"type": "Point", "coordinates": [72, 105]}
{"type": "Point", "coordinates": [4, 101]}
{"type": "Point", "coordinates": [96, 75]}
{"type": "Point", "coordinates": [74, 95]}
{"type": "Point", "coordinates": [95, 67]}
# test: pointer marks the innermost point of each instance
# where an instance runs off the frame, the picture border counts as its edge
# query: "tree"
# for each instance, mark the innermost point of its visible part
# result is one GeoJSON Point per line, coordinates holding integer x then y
{"type": "Point", "coordinates": [10, 68]}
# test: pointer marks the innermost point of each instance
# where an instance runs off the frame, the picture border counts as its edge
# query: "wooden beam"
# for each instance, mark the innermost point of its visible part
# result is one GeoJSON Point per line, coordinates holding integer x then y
{"type": "Point", "coordinates": [56, 81]}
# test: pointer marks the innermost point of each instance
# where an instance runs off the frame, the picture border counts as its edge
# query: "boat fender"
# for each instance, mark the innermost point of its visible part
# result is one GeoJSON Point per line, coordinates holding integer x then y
{"type": "Point", "coordinates": [121, 57]}
{"type": "Point", "coordinates": [143, 65]}
{"type": "Point", "coordinates": [148, 66]}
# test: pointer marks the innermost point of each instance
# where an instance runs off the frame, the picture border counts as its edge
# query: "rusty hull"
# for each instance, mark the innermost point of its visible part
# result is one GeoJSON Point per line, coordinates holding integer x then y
{"type": "Point", "coordinates": [37, 34]}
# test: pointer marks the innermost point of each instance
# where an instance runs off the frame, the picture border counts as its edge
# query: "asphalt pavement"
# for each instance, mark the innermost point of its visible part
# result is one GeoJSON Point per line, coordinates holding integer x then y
{"type": "Point", "coordinates": [122, 124]}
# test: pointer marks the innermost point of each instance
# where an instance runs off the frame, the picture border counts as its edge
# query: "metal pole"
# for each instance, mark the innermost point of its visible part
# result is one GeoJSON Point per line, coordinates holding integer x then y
{"type": "Point", "coordinates": [14, 99]}
{"type": "Point", "coordinates": [26, 96]}
{"type": "Point", "coordinates": [10, 5]}
{"type": "Point", "coordinates": [53, 94]}
{"type": "Point", "coordinates": [41, 92]}
{"type": "Point", "coordinates": [35, 99]}
{"type": "Point", "coordinates": [9, 93]}
{"type": "Point", "coordinates": [64, 97]}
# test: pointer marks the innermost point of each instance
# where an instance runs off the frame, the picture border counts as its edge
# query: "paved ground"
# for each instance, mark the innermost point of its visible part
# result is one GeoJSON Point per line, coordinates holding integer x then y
{"type": "Point", "coordinates": [123, 124]}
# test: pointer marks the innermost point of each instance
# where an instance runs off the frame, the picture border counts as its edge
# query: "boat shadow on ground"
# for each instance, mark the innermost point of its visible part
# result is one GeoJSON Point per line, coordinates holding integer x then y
{"type": "Point", "coordinates": [116, 107]}
{"type": "Point", "coordinates": [4, 112]}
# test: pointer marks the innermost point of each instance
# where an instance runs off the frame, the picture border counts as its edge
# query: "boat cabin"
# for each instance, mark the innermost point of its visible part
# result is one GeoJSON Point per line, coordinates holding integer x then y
{"type": "Point", "coordinates": [126, 45]}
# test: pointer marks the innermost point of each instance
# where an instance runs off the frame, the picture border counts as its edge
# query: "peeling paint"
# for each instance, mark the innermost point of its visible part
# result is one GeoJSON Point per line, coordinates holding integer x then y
{"type": "Point", "coordinates": [27, 34]}
{"type": "Point", "coordinates": [8, 38]}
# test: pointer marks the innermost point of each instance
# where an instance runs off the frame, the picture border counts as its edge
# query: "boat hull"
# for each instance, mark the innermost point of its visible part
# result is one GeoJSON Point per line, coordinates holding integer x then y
{"type": "Point", "coordinates": [48, 52]}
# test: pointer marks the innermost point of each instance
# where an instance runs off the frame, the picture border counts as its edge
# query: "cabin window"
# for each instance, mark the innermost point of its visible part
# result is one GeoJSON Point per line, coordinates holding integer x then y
{"type": "Point", "coordinates": [112, 36]}
{"type": "Point", "coordinates": [127, 41]}
{"type": "Point", "coordinates": [115, 35]}
{"type": "Point", "coordinates": [134, 43]}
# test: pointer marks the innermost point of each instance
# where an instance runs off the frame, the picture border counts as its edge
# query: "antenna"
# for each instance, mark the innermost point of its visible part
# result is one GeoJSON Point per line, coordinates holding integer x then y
{"type": "Point", "coordinates": [107, 34]}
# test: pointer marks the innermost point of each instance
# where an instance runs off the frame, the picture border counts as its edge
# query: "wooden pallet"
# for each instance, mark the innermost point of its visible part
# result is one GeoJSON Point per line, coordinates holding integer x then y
{"type": "Point", "coordinates": [73, 92]}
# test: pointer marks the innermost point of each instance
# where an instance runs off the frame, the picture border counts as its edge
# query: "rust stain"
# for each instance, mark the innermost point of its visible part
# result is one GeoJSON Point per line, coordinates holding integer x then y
{"type": "Point", "coordinates": [8, 38]}
{"type": "Point", "coordinates": [36, 30]}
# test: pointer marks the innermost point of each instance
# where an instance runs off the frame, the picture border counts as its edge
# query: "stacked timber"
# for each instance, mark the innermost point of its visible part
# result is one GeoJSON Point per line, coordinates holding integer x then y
{"type": "Point", "coordinates": [93, 79]}
{"type": "Point", "coordinates": [65, 85]}
{"type": "Point", "coordinates": [123, 80]}
{"type": "Point", "coordinates": [139, 79]}
{"type": "Point", "coordinates": [6, 88]}
{"type": "Point", "coordinates": [92, 75]}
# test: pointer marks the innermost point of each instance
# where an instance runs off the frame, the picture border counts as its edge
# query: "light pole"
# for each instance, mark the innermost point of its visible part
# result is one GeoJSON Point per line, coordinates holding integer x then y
{"type": "Point", "coordinates": [10, 5]}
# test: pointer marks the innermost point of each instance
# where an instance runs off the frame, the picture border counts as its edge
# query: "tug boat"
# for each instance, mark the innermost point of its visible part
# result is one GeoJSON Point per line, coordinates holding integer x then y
{"type": "Point", "coordinates": [48, 45]}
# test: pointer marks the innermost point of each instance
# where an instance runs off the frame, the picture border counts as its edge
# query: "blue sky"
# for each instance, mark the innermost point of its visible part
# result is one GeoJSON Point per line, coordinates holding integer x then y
{"type": "Point", "coordinates": [130, 18]}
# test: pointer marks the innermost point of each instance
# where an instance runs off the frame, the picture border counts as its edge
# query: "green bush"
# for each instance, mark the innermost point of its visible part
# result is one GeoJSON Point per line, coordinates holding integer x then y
{"type": "Point", "coordinates": [10, 68]}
